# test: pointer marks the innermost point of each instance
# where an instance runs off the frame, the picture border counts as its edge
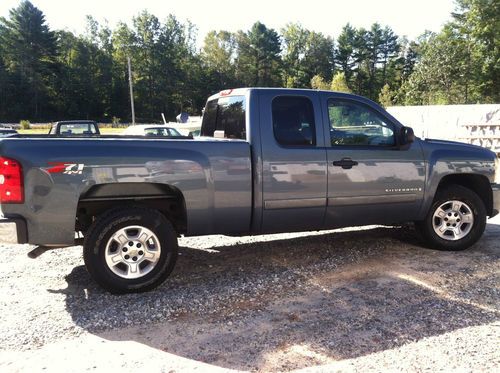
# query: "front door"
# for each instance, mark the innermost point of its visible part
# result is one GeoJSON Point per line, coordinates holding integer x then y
{"type": "Point", "coordinates": [371, 179]}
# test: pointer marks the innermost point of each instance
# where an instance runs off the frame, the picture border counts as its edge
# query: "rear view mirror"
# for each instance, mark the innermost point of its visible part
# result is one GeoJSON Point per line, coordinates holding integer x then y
{"type": "Point", "coordinates": [407, 135]}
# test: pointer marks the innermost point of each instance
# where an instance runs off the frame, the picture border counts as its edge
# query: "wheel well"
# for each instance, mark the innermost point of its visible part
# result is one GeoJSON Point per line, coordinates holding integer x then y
{"type": "Point", "coordinates": [477, 183]}
{"type": "Point", "coordinates": [104, 197]}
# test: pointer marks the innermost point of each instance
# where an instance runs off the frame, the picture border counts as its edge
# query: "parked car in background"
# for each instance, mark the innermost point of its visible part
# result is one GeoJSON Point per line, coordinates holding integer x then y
{"type": "Point", "coordinates": [151, 130]}
{"type": "Point", "coordinates": [7, 132]}
{"type": "Point", "coordinates": [75, 128]}
{"type": "Point", "coordinates": [187, 129]}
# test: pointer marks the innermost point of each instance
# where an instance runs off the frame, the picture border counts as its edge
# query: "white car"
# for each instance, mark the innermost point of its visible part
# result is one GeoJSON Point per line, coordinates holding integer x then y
{"type": "Point", "coordinates": [151, 130]}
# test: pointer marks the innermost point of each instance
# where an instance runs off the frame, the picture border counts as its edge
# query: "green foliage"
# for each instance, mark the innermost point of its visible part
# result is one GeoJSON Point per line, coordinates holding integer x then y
{"type": "Point", "coordinates": [258, 61]}
{"type": "Point", "coordinates": [25, 124]}
{"type": "Point", "coordinates": [317, 82]}
{"type": "Point", "coordinates": [345, 51]}
{"type": "Point", "coordinates": [478, 21]}
{"type": "Point", "coordinates": [444, 73]}
{"type": "Point", "coordinates": [218, 54]}
{"type": "Point", "coordinates": [460, 64]}
{"type": "Point", "coordinates": [28, 50]}
{"type": "Point", "coordinates": [305, 54]}
{"type": "Point", "coordinates": [369, 58]}
{"type": "Point", "coordinates": [386, 96]}
{"type": "Point", "coordinates": [48, 75]}
{"type": "Point", "coordinates": [339, 83]}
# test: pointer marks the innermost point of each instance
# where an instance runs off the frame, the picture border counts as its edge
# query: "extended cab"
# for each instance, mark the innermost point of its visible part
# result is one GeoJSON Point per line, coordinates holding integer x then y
{"type": "Point", "coordinates": [268, 160]}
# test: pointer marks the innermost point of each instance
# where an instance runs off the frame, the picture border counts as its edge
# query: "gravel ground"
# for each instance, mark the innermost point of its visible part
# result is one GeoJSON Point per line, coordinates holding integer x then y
{"type": "Point", "coordinates": [357, 299]}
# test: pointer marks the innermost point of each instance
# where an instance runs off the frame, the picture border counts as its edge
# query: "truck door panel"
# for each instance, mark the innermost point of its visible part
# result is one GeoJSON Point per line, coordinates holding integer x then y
{"type": "Point", "coordinates": [370, 179]}
{"type": "Point", "coordinates": [294, 161]}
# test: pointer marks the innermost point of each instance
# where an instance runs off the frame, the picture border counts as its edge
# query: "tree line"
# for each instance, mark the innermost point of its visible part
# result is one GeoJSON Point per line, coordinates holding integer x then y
{"type": "Point", "coordinates": [54, 74]}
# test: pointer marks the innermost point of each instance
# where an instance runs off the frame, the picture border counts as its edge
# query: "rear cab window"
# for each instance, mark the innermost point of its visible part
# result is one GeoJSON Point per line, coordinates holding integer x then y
{"type": "Point", "coordinates": [224, 117]}
{"type": "Point", "coordinates": [77, 129]}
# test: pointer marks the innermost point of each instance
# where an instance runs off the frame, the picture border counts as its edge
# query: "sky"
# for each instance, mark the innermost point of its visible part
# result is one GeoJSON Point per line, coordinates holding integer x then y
{"type": "Point", "coordinates": [406, 17]}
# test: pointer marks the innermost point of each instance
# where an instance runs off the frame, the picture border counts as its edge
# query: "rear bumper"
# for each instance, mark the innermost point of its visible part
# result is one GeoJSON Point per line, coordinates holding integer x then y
{"type": "Point", "coordinates": [496, 199]}
{"type": "Point", "coordinates": [13, 230]}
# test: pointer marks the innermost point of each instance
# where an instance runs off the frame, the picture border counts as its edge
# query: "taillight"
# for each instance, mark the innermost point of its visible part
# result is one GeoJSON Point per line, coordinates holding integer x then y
{"type": "Point", "coordinates": [11, 181]}
{"type": "Point", "coordinates": [226, 92]}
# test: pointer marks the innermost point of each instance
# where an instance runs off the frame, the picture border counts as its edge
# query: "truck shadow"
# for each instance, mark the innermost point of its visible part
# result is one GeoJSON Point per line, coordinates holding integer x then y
{"type": "Point", "coordinates": [298, 302]}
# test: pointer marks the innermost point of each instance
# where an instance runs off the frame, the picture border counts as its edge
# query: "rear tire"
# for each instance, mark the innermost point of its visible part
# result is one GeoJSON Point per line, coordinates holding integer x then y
{"type": "Point", "coordinates": [130, 250]}
{"type": "Point", "coordinates": [455, 221]}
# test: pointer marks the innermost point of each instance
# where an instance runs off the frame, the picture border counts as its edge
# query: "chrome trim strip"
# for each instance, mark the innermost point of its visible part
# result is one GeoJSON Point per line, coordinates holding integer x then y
{"type": "Point", "coordinates": [372, 200]}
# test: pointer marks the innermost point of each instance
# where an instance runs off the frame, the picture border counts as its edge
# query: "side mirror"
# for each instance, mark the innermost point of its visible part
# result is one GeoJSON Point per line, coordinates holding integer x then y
{"type": "Point", "coordinates": [407, 135]}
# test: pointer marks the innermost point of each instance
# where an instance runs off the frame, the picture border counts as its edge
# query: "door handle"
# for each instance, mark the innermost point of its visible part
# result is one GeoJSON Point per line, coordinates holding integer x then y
{"type": "Point", "coordinates": [345, 163]}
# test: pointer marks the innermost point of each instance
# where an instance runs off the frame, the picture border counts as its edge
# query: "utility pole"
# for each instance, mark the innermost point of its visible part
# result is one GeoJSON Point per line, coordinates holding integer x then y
{"type": "Point", "coordinates": [131, 90]}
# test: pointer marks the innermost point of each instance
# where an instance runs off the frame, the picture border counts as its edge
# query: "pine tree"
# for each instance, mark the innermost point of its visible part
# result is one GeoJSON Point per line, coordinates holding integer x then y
{"type": "Point", "coordinates": [259, 60]}
{"type": "Point", "coordinates": [344, 53]}
{"type": "Point", "coordinates": [29, 50]}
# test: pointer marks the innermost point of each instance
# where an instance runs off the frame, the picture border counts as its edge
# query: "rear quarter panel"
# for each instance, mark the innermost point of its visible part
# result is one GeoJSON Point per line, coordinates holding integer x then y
{"type": "Point", "coordinates": [214, 177]}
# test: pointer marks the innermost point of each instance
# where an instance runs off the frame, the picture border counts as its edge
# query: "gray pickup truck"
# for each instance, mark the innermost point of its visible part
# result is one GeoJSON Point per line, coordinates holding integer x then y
{"type": "Point", "coordinates": [267, 161]}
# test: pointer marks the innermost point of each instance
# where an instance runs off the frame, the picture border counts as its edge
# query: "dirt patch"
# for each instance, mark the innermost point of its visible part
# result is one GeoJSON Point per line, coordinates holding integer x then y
{"type": "Point", "coordinates": [328, 301]}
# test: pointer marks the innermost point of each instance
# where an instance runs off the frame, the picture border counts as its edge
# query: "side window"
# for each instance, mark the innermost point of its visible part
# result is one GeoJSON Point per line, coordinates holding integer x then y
{"type": "Point", "coordinates": [173, 132]}
{"type": "Point", "coordinates": [226, 114]}
{"type": "Point", "coordinates": [293, 121]}
{"type": "Point", "coordinates": [209, 121]}
{"type": "Point", "coordinates": [355, 124]}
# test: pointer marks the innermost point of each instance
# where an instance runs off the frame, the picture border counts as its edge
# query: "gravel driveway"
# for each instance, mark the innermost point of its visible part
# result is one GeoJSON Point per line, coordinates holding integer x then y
{"type": "Point", "coordinates": [356, 299]}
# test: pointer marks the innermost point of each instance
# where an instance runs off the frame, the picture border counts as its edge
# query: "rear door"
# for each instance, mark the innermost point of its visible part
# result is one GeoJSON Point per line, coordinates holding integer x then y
{"type": "Point", "coordinates": [294, 161]}
{"type": "Point", "coordinates": [371, 179]}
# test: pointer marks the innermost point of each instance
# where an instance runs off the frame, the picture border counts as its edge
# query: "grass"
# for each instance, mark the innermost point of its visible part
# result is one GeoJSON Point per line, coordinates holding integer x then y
{"type": "Point", "coordinates": [111, 131]}
{"type": "Point", "coordinates": [37, 131]}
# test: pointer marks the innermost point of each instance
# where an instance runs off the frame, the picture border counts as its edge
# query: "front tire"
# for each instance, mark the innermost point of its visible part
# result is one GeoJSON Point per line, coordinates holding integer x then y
{"type": "Point", "coordinates": [455, 221]}
{"type": "Point", "coordinates": [130, 250]}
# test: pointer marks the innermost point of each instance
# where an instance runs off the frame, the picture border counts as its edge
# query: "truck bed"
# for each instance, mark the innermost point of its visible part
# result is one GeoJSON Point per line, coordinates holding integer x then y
{"type": "Point", "coordinates": [214, 178]}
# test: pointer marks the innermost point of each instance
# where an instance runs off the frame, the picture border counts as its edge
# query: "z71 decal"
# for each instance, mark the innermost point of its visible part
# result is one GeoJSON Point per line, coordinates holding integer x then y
{"type": "Point", "coordinates": [66, 168]}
